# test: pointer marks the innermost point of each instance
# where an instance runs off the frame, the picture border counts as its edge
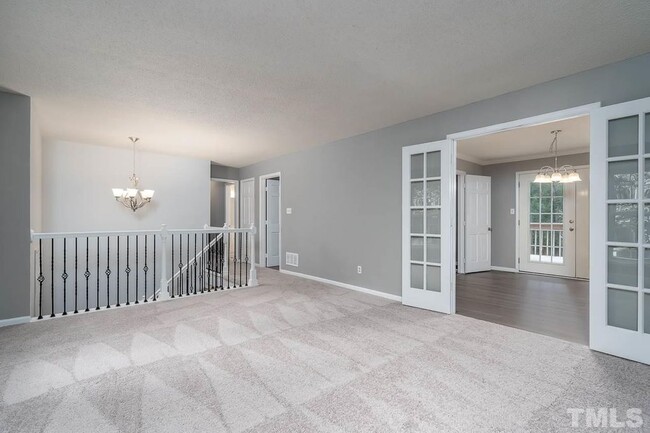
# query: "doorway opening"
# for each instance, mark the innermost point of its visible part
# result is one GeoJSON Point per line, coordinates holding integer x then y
{"type": "Point", "coordinates": [270, 221]}
{"type": "Point", "coordinates": [523, 246]}
{"type": "Point", "coordinates": [224, 203]}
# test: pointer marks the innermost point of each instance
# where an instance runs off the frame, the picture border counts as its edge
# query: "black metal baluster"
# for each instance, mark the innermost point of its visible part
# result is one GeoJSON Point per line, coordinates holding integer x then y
{"type": "Point", "coordinates": [154, 268]}
{"type": "Point", "coordinates": [146, 268]}
{"type": "Point", "coordinates": [76, 275]}
{"type": "Point", "coordinates": [212, 270]}
{"type": "Point", "coordinates": [97, 300]}
{"type": "Point", "coordinates": [127, 271]}
{"type": "Point", "coordinates": [108, 271]}
{"type": "Point", "coordinates": [40, 278]}
{"type": "Point", "coordinates": [52, 271]}
{"type": "Point", "coordinates": [117, 273]}
{"type": "Point", "coordinates": [219, 248]}
{"type": "Point", "coordinates": [87, 273]}
{"type": "Point", "coordinates": [137, 268]}
{"type": "Point", "coordinates": [180, 265]}
{"type": "Point", "coordinates": [172, 266]}
{"type": "Point", "coordinates": [201, 271]}
{"type": "Point", "coordinates": [64, 276]}
{"type": "Point", "coordinates": [187, 270]}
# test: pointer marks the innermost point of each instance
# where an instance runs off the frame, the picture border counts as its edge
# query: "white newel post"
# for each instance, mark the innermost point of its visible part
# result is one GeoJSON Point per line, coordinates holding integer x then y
{"type": "Point", "coordinates": [164, 292]}
{"type": "Point", "coordinates": [252, 279]}
{"type": "Point", "coordinates": [226, 250]}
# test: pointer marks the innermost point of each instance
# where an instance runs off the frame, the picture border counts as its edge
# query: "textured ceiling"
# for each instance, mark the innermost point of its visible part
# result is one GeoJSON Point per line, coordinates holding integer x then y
{"type": "Point", "coordinates": [527, 143]}
{"type": "Point", "coordinates": [240, 81]}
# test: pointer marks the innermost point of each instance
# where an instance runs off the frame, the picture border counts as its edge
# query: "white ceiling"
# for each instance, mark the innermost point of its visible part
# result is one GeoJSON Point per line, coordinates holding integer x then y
{"type": "Point", "coordinates": [527, 143]}
{"type": "Point", "coordinates": [239, 81]}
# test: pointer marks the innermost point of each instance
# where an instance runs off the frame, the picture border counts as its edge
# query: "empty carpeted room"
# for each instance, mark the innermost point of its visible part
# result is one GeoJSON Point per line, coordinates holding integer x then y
{"type": "Point", "coordinates": [260, 216]}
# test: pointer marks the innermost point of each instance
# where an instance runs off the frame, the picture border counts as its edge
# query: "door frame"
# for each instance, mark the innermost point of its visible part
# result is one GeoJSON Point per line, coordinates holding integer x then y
{"type": "Point", "coordinates": [460, 204]}
{"type": "Point", "coordinates": [518, 215]}
{"type": "Point", "coordinates": [225, 203]}
{"type": "Point", "coordinates": [569, 113]}
{"type": "Point", "coordinates": [262, 220]}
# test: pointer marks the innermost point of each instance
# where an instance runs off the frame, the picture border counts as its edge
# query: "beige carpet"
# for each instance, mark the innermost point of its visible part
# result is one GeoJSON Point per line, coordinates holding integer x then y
{"type": "Point", "coordinates": [298, 356]}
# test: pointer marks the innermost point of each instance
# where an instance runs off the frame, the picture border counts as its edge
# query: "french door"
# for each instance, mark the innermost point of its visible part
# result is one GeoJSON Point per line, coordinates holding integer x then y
{"type": "Point", "coordinates": [620, 235]}
{"type": "Point", "coordinates": [547, 227]}
{"type": "Point", "coordinates": [427, 182]}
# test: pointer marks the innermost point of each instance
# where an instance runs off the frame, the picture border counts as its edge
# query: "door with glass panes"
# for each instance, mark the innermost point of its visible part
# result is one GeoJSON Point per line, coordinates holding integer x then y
{"type": "Point", "coordinates": [427, 174]}
{"type": "Point", "coordinates": [547, 227]}
{"type": "Point", "coordinates": [620, 235]}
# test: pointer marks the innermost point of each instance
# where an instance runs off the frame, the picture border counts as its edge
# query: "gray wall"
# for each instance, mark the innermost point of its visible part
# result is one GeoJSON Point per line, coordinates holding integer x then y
{"type": "Point", "coordinates": [15, 198]}
{"type": "Point", "coordinates": [469, 167]}
{"type": "Point", "coordinates": [346, 196]}
{"type": "Point", "coordinates": [217, 203]}
{"type": "Point", "coordinates": [218, 171]}
{"type": "Point", "coordinates": [504, 191]}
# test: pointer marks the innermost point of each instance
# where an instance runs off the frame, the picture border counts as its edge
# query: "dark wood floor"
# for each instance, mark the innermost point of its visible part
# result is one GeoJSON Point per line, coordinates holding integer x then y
{"type": "Point", "coordinates": [552, 306]}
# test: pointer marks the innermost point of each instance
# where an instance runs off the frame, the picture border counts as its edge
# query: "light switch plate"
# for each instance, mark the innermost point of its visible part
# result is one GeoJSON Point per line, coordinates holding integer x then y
{"type": "Point", "coordinates": [289, 210]}
{"type": "Point", "coordinates": [512, 211]}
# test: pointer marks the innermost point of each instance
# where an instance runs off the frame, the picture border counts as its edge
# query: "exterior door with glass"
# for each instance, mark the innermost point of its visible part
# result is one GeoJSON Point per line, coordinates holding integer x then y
{"type": "Point", "coordinates": [547, 227]}
{"type": "Point", "coordinates": [620, 236]}
{"type": "Point", "coordinates": [427, 179]}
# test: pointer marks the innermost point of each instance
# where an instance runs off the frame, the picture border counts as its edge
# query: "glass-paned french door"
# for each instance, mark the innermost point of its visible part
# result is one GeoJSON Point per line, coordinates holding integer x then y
{"type": "Point", "coordinates": [620, 284]}
{"type": "Point", "coordinates": [426, 229]}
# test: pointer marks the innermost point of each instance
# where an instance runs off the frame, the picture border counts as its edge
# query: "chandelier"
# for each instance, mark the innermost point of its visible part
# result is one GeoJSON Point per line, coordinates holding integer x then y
{"type": "Point", "coordinates": [564, 174]}
{"type": "Point", "coordinates": [133, 198]}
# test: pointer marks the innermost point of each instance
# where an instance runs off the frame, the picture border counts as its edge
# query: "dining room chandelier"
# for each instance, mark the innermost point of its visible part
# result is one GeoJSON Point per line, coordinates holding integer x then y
{"type": "Point", "coordinates": [133, 198]}
{"type": "Point", "coordinates": [564, 174]}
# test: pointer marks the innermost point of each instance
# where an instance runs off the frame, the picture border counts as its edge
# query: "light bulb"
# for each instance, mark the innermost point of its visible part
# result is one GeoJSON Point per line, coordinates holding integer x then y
{"type": "Point", "coordinates": [575, 177]}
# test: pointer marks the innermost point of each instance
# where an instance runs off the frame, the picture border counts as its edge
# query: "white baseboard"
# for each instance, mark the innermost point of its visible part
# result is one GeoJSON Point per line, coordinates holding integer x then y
{"type": "Point", "coordinates": [344, 285]}
{"type": "Point", "coordinates": [503, 269]}
{"type": "Point", "coordinates": [15, 321]}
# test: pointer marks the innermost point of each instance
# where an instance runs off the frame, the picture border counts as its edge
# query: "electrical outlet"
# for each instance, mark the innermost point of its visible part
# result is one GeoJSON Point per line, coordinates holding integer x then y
{"type": "Point", "coordinates": [289, 210]}
{"type": "Point", "coordinates": [359, 270]}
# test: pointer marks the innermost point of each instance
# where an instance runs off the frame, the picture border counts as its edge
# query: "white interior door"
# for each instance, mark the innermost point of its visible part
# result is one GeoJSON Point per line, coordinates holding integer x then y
{"type": "Point", "coordinates": [428, 172]}
{"type": "Point", "coordinates": [619, 303]}
{"type": "Point", "coordinates": [547, 227]}
{"type": "Point", "coordinates": [247, 201]}
{"type": "Point", "coordinates": [478, 230]}
{"type": "Point", "coordinates": [272, 222]}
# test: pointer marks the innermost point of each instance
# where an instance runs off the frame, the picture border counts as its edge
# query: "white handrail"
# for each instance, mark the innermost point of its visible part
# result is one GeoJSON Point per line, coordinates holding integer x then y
{"type": "Point", "coordinates": [92, 234]}
{"type": "Point", "coordinates": [198, 255]}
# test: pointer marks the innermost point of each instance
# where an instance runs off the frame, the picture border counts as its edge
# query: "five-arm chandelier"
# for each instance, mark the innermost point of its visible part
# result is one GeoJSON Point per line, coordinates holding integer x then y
{"type": "Point", "coordinates": [563, 174]}
{"type": "Point", "coordinates": [133, 198]}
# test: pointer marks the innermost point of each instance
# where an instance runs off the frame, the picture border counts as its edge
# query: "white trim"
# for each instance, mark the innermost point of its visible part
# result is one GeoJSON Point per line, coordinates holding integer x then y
{"type": "Point", "coordinates": [503, 269]}
{"type": "Point", "coordinates": [470, 158]}
{"type": "Point", "coordinates": [569, 113]}
{"type": "Point", "coordinates": [15, 321]}
{"type": "Point", "coordinates": [533, 156]}
{"type": "Point", "coordinates": [262, 225]}
{"type": "Point", "coordinates": [236, 183]}
{"type": "Point", "coordinates": [460, 209]}
{"type": "Point", "coordinates": [344, 285]}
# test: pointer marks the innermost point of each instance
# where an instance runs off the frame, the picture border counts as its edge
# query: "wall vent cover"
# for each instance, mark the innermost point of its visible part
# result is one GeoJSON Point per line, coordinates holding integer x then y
{"type": "Point", "coordinates": [292, 259]}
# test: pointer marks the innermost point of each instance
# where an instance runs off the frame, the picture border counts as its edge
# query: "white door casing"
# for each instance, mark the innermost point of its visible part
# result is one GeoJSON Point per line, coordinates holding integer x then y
{"type": "Point", "coordinates": [428, 173]}
{"type": "Point", "coordinates": [478, 225]}
{"type": "Point", "coordinates": [272, 222]}
{"type": "Point", "coordinates": [619, 287]}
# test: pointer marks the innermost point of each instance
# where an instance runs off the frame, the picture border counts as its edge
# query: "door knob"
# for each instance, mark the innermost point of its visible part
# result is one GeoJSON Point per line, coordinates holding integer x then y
{"type": "Point", "coordinates": [571, 221]}
{"type": "Point", "coordinates": [571, 229]}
